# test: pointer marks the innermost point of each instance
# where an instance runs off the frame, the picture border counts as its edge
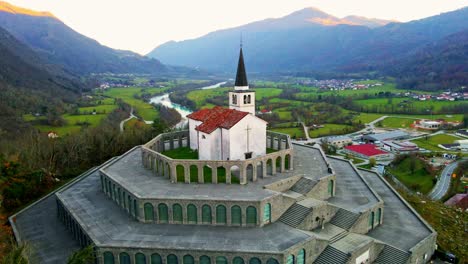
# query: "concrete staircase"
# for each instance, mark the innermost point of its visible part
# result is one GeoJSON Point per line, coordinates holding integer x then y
{"type": "Point", "coordinates": [392, 255]}
{"type": "Point", "coordinates": [303, 186]}
{"type": "Point", "coordinates": [295, 215]}
{"type": "Point", "coordinates": [344, 219]}
{"type": "Point", "coordinates": [332, 255]}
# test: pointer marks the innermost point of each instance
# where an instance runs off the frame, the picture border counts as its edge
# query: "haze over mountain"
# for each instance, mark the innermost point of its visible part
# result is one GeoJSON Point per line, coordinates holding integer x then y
{"type": "Point", "coordinates": [58, 43]}
{"type": "Point", "coordinates": [311, 40]}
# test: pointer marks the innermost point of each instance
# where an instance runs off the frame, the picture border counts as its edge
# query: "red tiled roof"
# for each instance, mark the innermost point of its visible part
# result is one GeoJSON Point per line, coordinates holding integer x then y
{"type": "Point", "coordinates": [366, 149]}
{"type": "Point", "coordinates": [460, 200]}
{"type": "Point", "coordinates": [218, 117]}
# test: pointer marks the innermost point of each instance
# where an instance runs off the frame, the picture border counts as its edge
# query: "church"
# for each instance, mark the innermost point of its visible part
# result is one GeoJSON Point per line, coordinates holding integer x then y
{"type": "Point", "coordinates": [233, 133]}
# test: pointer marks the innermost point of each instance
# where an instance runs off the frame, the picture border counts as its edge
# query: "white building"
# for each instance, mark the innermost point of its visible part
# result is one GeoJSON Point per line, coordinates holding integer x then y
{"type": "Point", "coordinates": [230, 134]}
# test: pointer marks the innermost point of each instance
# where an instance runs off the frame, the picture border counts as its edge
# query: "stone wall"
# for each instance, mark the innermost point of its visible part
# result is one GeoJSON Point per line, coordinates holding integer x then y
{"type": "Point", "coordinates": [322, 213]}
{"type": "Point", "coordinates": [245, 170]}
{"type": "Point", "coordinates": [422, 252]}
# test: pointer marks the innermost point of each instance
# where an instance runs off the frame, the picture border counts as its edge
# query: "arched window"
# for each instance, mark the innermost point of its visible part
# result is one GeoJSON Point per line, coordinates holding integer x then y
{"type": "Point", "coordinates": [330, 187]}
{"type": "Point", "coordinates": [172, 259]}
{"type": "Point", "coordinates": [301, 257]}
{"type": "Point", "coordinates": [290, 259]}
{"type": "Point", "coordinates": [206, 214]}
{"type": "Point", "coordinates": [177, 213]}
{"type": "Point", "coordinates": [255, 261]}
{"type": "Point", "coordinates": [119, 201]}
{"type": "Point", "coordinates": [221, 214]}
{"type": "Point", "coordinates": [272, 261]}
{"type": "Point", "coordinates": [188, 259]}
{"type": "Point", "coordinates": [221, 260]}
{"type": "Point", "coordinates": [156, 259]}
{"type": "Point", "coordinates": [234, 99]}
{"type": "Point", "coordinates": [251, 215]}
{"type": "Point", "coordinates": [129, 199]}
{"type": "Point", "coordinates": [140, 258]}
{"type": "Point", "coordinates": [149, 212]}
{"type": "Point", "coordinates": [238, 260]}
{"type": "Point", "coordinates": [124, 258]}
{"type": "Point", "coordinates": [379, 216]}
{"type": "Point", "coordinates": [192, 217]}
{"type": "Point", "coordinates": [162, 212]}
{"type": "Point", "coordinates": [236, 215]}
{"type": "Point", "coordinates": [205, 260]}
{"type": "Point", "coordinates": [108, 258]}
{"type": "Point", "coordinates": [249, 99]}
{"type": "Point", "coordinates": [102, 183]}
{"type": "Point", "coordinates": [267, 213]}
{"type": "Point", "coordinates": [371, 220]}
{"type": "Point", "coordinates": [135, 208]}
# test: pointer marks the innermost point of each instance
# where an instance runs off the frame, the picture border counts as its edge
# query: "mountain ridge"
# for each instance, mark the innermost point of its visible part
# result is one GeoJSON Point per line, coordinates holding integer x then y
{"type": "Point", "coordinates": [7, 7]}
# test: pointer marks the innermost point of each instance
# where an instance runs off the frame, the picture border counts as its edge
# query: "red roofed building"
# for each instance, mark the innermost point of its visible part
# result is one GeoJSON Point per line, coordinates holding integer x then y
{"type": "Point", "coordinates": [367, 151]}
{"type": "Point", "coordinates": [459, 200]}
{"type": "Point", "coordinates": [233, 133]}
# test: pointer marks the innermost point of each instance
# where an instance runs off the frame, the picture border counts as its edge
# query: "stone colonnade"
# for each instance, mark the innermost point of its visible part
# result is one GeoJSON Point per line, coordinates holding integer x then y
{"type": "Point", "coordinates": [196, 170]}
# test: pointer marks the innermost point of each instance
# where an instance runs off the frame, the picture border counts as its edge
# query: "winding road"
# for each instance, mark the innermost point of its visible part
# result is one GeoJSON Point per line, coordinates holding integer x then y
{"type": "Point", "coordinates": [123, 121]}
{"type": "Point", "coordinates": [443, 184]}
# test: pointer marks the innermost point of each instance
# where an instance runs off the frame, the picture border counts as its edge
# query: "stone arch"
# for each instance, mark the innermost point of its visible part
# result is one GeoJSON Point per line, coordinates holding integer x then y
{"type": "Point", "coordinates": [371, 220]}
{"type": "Point", "coordinates": [188, 259]}
{"type": "Point", "coordinates": [379, 216]}
{"type": "Point", "coordinates": [238, 260]}
{"type": "Point", "coordinates": [180, 173]}
{"type": "Point", "coordinates": [269, 165]}
{"type": "Point", "coordinates": [206, 214]}
{"type": "Point", "coordinates": [129, 201]}
{"type": "Point", "coordinates": [207, 174]}
{"type": "Point", "coordinates": [221, 214]}
{"type": "Point", "coordinates": [192, 214]}
{"type": "Point", "coordinates": [301, 256]}
{"type": "Point", "coordinates": [161, 168]}
{"type": "Point", "coordinates": [135, 208]}
{"type": "Point", "coordinates": [124, 258]}
{"type": "Point", "coordinates": [172, 259]}
{"type": "Point", "coordinates": [156, 259]}
{"type": "Point", "coordinates": [290, 259]}
{"type": "Point", "coordinates": [255, 260]}
{"type": "Point", "coordinates": [221, 260]}
{"type": "Point", "coordinates": [259, 167]}
{"type": "Point", "coordinates": [193, 173]}
{"type": "Point", "coordinates": [251, 215]}
{"type": "Point", "coordinates": [235, 174]}
{"type": "Point", "coordinates": [163, 213]}
{"type": "Point", "coordinates": [236, 215]}
{"type": "Point", "coordinates": [278, 164]}
{"type": "Point", "coordinates": [331, 187]}
{"type": "Point", "coordinates": [245, 99]}
{"type": "Point", "coordinates": [249, 172]}
{"type": "Point", "coordinates": [205, 260]}
{"type": "Point", "coordinates": [221, 174]}
{"type": "Point", "coordinates": [272, 261]}
{"type": "Point", "coordinates": [140, 258]}
{"type": "Point", "coordinates": [287, 162]}
{"type": "Point", "coordinates": [149, 212]}
{"type": "Point", "coordinates": [267, 213]}
{"type": "Point", "coordinates": [108, 258]}
{"type": "Point", "coordinates": [177, 215]}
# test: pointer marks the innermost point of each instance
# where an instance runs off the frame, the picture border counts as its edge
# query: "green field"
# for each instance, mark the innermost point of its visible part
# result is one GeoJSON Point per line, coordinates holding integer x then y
{"type": "Point", "coordinates": [432, 141]}
{"type": "Point", "coordinates": [366, 118]}
{"type": "Point", "coordinates": [104, 109]}
{"type": "Point", "coordinates": [393, 104]}
{"type": "Point", "coordinates": [329, 129]}
{"type": "Point", "coordinates": [419, 180]}
{"type": "Point", "coordinates": [294, 132]}
{"type": "Point", "coordinates": [143, 109]}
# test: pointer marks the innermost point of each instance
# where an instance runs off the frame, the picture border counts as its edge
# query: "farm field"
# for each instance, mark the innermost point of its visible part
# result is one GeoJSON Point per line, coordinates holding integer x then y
{"type": "Point", "coordinates": [366, 118]}
{"type": "Point", "coordinates": [404, 121]}
{"type": "Point", "coordinates": [432, 141]}
{"type": "Point", "coordinates": [329, 129]}
{"type": "Point", "coordinates": [143, 109]}
{"type": "Point", "coordinates": [294, 132]}
{"type": "Point", "coordinates": [389, 104]}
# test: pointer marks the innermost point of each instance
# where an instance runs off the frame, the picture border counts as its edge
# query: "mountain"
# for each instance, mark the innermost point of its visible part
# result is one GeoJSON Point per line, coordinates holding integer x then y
{"type": "Point", "coordinates": [311, 40]}
{"type": "Point", "coordinates": [57, 43]}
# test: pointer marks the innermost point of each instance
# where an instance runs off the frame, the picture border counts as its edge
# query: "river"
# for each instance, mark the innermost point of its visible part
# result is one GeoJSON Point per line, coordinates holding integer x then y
{"type": "Point", "coordinates": [183, 111]}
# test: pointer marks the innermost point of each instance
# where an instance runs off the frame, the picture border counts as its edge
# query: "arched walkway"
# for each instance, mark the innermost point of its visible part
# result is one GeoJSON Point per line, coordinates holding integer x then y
{"type": "Point", "coordinates": [180, 173]}
{"type": "Point", "coordinates": [149, 212]}
{"type": "Point", "coordinates": [249, 171]}
{"type": "Point", "coordinates": [235, 174]}
{"type": "Point", "coordinates": [220, 214]}
{"type": "Point", "coordinates": [236, 215]}
{"type": "Point", "coordinates": [206, 214]}
{"type": "Point", "coordinates": [193, 173]}
{"type": "Point", "coordinates": [192, 217]}
{"type": "Point", "coordinates": [221, 174]}
{"type": "Point", "coordinates": [251, 215]}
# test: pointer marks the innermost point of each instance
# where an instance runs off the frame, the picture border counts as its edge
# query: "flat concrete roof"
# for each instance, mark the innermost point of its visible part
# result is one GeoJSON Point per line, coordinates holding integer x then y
{"type": "Point", "coordinates": [109, 225]}
{"type": "Point", "coordinates": [351, 193]}
{"type": "Point", "coordinates": [129, 172]}
{"type": "Point", "coordinates": [401, 227]}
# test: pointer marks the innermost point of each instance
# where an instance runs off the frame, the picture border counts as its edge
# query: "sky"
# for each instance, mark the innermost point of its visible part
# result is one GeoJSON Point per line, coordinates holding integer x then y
{"type": "Point", "coordinates": [142, 25]}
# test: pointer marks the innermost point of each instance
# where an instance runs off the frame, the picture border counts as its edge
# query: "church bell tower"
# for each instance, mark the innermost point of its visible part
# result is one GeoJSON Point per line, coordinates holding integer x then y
{"type": "Point", "coordinates": [242, 99]}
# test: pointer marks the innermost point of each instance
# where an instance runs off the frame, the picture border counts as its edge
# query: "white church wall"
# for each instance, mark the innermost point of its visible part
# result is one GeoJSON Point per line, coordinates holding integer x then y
{"type": "Point", "coordinates": [225, 146]}
{"type": "Point", "coordinates": [210, 145]}
{"type": "Point", "coordinates": [193, 133]}
{"type": "Point", "coordinates": [257, 138]}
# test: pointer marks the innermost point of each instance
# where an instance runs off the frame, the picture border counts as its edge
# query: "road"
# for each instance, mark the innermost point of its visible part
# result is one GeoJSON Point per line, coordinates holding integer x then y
{"type": "Point", "coordinates": [443, 184]}
{"type": "Point", "coordinates": [123, 121]}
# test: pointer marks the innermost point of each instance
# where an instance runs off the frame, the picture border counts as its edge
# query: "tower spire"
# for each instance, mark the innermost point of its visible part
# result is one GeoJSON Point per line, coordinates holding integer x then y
{"type": "Point", "coordinates": [241, 76]}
